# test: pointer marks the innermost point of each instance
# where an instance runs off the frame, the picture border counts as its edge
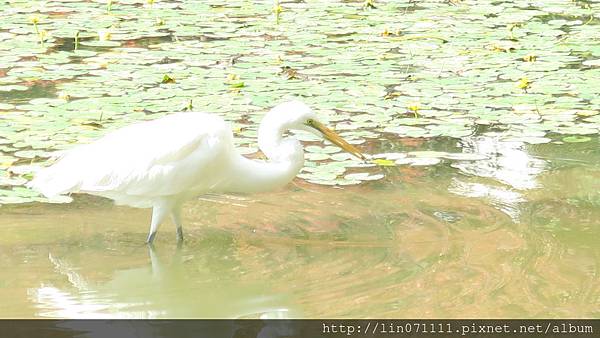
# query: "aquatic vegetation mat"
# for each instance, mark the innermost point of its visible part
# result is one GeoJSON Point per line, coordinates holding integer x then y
{"type": "Point", "coordinates": [71, 71]}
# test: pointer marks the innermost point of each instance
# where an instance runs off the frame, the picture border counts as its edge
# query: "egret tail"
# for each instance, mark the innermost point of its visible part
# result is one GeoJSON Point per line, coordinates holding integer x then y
{"type": "Point", "coordinates": [54, 181]}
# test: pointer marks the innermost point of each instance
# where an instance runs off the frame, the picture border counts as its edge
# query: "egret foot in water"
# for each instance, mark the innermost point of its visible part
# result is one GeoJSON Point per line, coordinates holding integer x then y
{"type": "Point", "coordinates": [176, 217]}
{"type": "Point", "coordinates": [160, 210]}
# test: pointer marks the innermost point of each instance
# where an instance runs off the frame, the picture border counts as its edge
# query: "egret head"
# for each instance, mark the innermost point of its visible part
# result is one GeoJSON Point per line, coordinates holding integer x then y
{"type": "Point", "coordinates": [299, 116]}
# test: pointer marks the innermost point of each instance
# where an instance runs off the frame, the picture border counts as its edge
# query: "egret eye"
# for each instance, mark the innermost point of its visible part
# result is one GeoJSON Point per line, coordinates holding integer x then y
{"type": "Point", "coordinates": [310, 122]}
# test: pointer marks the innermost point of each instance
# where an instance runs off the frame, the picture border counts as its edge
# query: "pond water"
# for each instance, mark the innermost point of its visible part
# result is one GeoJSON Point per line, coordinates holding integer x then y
{"type": "Point", "coordinates": [518, 240]}
{"type": "Point", "coordinates": [483, 118]}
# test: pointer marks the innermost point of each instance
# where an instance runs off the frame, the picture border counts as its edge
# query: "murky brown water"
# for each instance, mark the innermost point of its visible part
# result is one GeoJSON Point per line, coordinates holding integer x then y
{"type": "Point", "coordinates": [513, 236]}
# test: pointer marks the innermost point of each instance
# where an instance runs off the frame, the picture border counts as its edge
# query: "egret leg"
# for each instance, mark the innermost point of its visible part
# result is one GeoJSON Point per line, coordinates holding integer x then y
{"type": "Point", "coordinates": [154, 261]}
{"type": "Point", "coordinates": [176, 217]}
{"type": "Point", "coordinates": [159, 212]}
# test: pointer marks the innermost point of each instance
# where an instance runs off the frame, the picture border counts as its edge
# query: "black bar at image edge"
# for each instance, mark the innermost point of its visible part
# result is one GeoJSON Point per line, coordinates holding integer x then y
{"type": "Point", "coordinates": [314, 328]}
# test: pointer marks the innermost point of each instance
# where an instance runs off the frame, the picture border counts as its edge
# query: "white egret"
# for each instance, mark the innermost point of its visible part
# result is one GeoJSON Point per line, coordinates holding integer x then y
{"type": "Point", "coordinates": [162, 163]}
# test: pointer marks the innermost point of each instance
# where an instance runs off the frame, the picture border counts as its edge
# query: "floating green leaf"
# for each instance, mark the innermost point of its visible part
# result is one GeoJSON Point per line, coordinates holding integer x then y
{"type": "Point", "coordinates": [576, 139]}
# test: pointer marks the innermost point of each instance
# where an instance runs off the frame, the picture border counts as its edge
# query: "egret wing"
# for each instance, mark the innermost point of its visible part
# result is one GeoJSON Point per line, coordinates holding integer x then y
{"type": "Point", "coordinates": [167, 156]}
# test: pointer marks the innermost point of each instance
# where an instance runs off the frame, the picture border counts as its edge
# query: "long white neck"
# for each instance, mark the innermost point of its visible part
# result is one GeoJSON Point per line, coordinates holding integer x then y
{"type": "Point", "coordinates": [285, 159]}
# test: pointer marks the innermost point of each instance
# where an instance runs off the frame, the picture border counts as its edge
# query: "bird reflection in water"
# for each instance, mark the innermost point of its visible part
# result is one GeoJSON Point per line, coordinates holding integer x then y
{"type": "Point", "coordinates": [176, 289]}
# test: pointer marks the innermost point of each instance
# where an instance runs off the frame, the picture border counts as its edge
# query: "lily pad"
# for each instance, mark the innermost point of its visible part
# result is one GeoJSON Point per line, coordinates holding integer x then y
{"type": "Point", "coordinates": [576, 139]}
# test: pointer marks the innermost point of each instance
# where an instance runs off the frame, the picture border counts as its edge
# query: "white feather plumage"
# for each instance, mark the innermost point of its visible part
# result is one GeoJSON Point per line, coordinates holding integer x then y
{"type": "Point", "coordinates": [138, 163]}
{"type": "Point", "coordinates": [162, 163]}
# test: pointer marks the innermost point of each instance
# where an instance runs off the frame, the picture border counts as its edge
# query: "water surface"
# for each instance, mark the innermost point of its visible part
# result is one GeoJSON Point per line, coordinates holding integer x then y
{"type": "Point", "coordinates": [512, 236]}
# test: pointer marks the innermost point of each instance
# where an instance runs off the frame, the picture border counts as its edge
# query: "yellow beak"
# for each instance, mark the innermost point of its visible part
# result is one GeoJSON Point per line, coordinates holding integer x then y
{"type": "Point", "coordinates": [336, 139]}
